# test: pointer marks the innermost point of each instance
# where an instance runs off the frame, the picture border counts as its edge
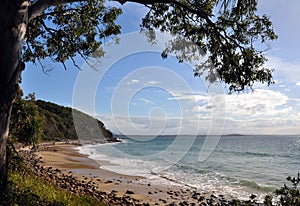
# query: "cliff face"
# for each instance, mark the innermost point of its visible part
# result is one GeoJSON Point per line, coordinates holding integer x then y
{"type": "Point", "coordinates": [60, 124]}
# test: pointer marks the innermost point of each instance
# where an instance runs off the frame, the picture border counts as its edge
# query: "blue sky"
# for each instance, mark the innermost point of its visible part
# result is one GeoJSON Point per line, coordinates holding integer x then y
{"type": "Point", "coordinates": [142, 94]}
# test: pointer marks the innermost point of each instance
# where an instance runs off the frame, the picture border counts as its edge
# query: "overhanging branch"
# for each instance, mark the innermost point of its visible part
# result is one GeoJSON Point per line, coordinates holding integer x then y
{"type": "Point", "coordinates": [41, 5]}
{"type": "Point", "coordinates": [37, 8]}
{"type": "Point", "coordinates": [183, 5]}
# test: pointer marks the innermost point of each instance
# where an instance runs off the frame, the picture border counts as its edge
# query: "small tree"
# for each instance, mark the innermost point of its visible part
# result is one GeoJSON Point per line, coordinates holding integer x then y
{"type": "Point", "coordinates": [27, 124]}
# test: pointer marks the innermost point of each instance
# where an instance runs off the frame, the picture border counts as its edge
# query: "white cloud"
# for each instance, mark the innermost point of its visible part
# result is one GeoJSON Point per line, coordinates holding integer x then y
{"type": "Point", "coordinates": [298, 84]}
{"type": "Point", "coordinates": [141, 125]}
{"type": "Point", "coordinates": [133, 82]}
{"type": "Point", "coordinates": [287, 125]}
{"type": "Point", "coordinates": [152, 83]}
{"type": "Point", "coordinates": [205, 108]}
{"type": "Point", "coordinates": [146, 101]}
{"type": "Point", "coordinates": [284, 71]}
{"type": "Point", "coordinates": [193, 97]}
{"type": "Point", "coordinates": [259, 103]}
{"type": "Point", "coordinates": [260, 112]}
{"type": "Point", "coordinates": [264, 112]}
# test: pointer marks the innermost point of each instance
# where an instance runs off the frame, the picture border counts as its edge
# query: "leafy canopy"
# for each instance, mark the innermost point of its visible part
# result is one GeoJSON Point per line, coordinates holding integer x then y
{"type": "Point", "coordinates": [65, 30]}
{"type": "Point", "coordinates": [228, 31]}
{"type": "Point", "coordinates": [27, 123]}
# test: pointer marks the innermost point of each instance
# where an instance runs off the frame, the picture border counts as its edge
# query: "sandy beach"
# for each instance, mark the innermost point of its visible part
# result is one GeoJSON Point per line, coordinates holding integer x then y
{"type": "Point", "coordinates": [67, 160]}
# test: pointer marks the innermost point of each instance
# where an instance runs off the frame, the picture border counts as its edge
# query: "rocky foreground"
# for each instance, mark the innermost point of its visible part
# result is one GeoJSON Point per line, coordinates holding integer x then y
{"type": "Point", "coordinates": [104, 189]}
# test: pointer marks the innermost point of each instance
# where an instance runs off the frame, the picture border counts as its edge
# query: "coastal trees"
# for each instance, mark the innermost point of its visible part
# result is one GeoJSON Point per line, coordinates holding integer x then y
{"type": "Point", "coordinates": [33, 121]}
{"type": "Point", "coordinates": [28, 123]}
{"type": "Point", "coordinates": [32, 30]}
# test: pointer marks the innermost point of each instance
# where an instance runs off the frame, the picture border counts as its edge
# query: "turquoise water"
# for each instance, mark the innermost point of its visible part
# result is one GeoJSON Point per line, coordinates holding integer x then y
{"type": "Point", "coordinates": [238, 166]}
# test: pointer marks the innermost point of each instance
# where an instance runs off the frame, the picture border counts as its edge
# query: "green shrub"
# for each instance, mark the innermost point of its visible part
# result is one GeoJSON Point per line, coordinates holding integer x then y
{"type": "Point", "coordinates": [289, 195]}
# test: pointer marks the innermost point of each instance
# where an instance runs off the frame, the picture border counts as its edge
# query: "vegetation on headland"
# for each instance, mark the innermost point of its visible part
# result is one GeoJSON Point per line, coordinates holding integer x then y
{"type": "Point", "coordinates": [36, 120]}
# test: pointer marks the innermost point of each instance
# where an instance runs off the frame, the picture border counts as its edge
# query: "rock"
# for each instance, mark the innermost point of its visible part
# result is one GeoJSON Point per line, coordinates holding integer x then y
{"type": "Point", "coordinates": [211, 201]}
{"type": "Point", "coordinates": [201, 198]}
{"type": "Point", "coordinates": [195, 196]}
{"type": "Point", "coordinates": [184, 203]}
{"type": "Point", "coordinates": [129, 192]}
{"type": "Point", "coordinates": [213, 196]}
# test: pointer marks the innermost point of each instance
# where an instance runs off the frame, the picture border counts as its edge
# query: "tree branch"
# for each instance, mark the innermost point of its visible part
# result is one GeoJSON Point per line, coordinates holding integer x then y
{"type": "Point", "coordinates": [37, 8]}
{"type": "Point", "coordinates": [55, 13]}
{"type": "Point", "coordinates": [183, 5]}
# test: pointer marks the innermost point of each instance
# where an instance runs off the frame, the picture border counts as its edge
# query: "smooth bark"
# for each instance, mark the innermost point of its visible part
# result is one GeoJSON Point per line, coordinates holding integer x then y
{"type": "Point", "coordinates": [13, 23]}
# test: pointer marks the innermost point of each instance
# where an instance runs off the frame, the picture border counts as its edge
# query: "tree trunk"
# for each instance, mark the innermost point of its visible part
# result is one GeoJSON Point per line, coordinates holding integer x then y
{"type": "Point", "coordinates": [4, 128]}
{"type": "Point", "coordinates": [13, 24]}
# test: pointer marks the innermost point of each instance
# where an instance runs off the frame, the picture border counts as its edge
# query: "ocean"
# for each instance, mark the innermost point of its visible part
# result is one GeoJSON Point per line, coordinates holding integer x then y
{"type": "Point", "coordinates": [237, 167]}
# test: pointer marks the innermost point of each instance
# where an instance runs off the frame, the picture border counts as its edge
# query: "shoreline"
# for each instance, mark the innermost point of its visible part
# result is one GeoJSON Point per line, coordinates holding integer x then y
{"type": "Point", "coordinates": [67, 159]}
{"type": "Point", "coordinates": [65, 166]}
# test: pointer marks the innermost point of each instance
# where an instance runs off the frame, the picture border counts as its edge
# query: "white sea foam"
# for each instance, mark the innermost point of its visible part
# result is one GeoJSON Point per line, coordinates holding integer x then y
{"type": "Point", "coordinates": [211, 182]}
{"type": "Point", "coordinates": [134, 166]}
{"type": "Point", "coordinates": [125, 165]}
